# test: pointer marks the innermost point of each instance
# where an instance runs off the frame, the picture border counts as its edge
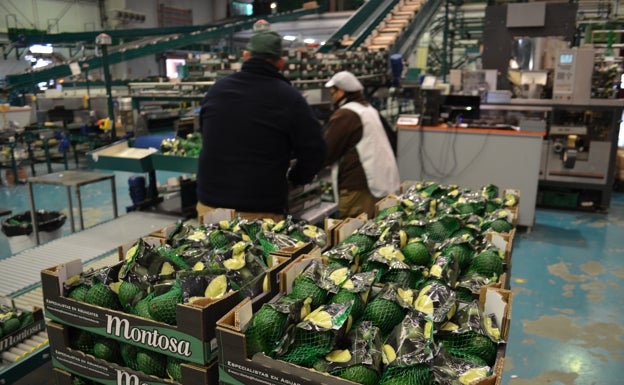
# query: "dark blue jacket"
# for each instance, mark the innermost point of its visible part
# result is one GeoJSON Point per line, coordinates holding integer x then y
{"type": "Point", "coordinates": [253, 123]}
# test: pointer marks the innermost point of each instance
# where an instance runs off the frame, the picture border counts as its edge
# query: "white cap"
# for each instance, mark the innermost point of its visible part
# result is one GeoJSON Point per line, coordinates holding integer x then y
{"type": "Point", "coordinates": [346, 81]}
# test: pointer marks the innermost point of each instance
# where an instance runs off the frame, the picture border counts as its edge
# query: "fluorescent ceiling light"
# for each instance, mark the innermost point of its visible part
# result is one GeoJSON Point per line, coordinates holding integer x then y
{"type": "Point", "coordinates": [290, 38]}
{"type": "Point", "coordinates": [308, 41]}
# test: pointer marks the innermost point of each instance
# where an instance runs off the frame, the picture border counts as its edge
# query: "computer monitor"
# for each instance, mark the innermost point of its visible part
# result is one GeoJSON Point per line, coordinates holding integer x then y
{"type": "Point", "coordinates": [460, 108]}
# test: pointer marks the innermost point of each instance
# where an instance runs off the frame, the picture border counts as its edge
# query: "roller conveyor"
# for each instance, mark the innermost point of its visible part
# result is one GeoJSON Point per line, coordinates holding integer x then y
{"type": "Point", "coordinates": [22, 271]}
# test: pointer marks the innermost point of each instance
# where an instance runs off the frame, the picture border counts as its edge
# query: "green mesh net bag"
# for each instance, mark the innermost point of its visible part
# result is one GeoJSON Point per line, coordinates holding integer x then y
{"type": "Point", "coordinates": [128, 355]}
{"type": "Point", "coordinates": [162, 307]}
{"type": "Point", "coordinates": [470, 343]}
{"type": "Point", "coordinates": [394, 211]}
{"type": "Point", "coordinates": [269, 324]}
{"type": "Point", "coordinates": [418, 374]}
{"type": "Point", "coordinates": [488, 263]}
{"type": "Point", "coordinates": [82, 340]}
{"type": "Point", "coordinates": [449, 368]}
{"type": "Point", "coordinates": [386, 310]}
{"type": "Point", "coordinates": [416, 252]}
{"type": "Point", "coordinates": [439, 229]}
{"type": "Point", "coordinates": [460, 249]}
{"type": "Point", "coordinates": [361, 361]}
{"type": "Point", "coordinates": [174, 368]}
{"type": "Point", "coordinates": [355, 290]}
{"type": "Point", "coordinates": [317, 281]}
{"type": "Point", "coordinates": [314, 336]}
{"type": "Point", "coordinates": [472, 333]}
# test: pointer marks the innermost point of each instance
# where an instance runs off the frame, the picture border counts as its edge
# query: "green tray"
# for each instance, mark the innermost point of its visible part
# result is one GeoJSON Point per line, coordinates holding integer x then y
{"type": "Point", "coordinates": [175, 163]}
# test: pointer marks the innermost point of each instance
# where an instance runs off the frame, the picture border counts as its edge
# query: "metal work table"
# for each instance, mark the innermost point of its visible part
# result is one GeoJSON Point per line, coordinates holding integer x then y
{"type": "Point", "coordinates": [69, 179]}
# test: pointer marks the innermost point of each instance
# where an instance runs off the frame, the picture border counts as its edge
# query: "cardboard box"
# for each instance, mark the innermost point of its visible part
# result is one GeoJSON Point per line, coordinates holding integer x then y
{"type": "Point", "coordinates": [384, 203]}
{"type": "Point", "coordinates": [498, 301]}
{"type": "Point", "coordinates": [217, 215]}
{"type": "Point", "coordinates": [339, 229]}
{"type": "Point", "coordinates": [150, 240]}
{"type": "Point", "coordinates": [192, 339]}
{"type": "Point", "coordinates": [26, 331]}
{"type": "Point", "coordinates": [236, 368]}
{"type": "Point", "coordinates": [68, 361]}
{"type": "Point", "coordinates": [504, 242]}
{"type": "Point", "coordinates": [120, 156]}
{"type": "Point", "coordinates": [288, 252]}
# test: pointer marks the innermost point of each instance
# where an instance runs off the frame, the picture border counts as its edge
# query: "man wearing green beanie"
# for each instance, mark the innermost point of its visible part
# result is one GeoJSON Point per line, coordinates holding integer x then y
{"type": "Point", "coordinates": [259, 135]}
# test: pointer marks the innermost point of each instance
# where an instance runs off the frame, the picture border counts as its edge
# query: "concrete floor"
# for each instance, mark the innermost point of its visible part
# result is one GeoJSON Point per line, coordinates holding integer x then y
{"type": "Point", "coordinates": [567, 277]}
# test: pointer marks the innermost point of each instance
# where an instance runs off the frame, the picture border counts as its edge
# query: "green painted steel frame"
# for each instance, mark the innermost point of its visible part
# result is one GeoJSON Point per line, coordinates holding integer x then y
{"type": "Point", "coordinates": [155, 46]}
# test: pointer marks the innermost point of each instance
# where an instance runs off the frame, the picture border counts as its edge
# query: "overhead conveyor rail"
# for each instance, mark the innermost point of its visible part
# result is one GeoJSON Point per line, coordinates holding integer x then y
{"type": "Point", "coordinates": [144, 47]}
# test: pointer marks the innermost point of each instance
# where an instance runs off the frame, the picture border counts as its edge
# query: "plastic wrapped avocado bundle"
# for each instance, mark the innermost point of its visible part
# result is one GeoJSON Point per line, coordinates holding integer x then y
{"type": "Point", "coordinates": [408, 352]}
{"type": "Point", "coordinates": [451, 369]}
{"type": "Point", "coordinates": [356, 290]}
{"type": "Point", "coordinates": [445, 268]}
{"type": "Point", "coordinates": [392, 234]}
{"type": "Point", "coordinates": [460, 248]}
{"type": "Point", "coordinates": [245, 267]}
{"type": "Point", "coordinates": [317, 281]}
{"type": "Point", "coordinates": [471, 333]}
{"type": "Point", "coordinates": [360, 361]}
{"type": "Point", "coordinates": [211, 284]}
{"type": "Point", "coordinates": [163, 302]}
{"type": "Point", "coordinates": [94, 286]}
{"type": "Point", "coordinates": [152, 263]}
{"type": "Point", "coordinates": [268, 326]}
{"type": "Point", "coordinates": [497, 221]}
{"type": "Point", "coordinates": [469, 284]}
{"type": "Point", "coordinates": [470, 203]}
{"type": "Point", "coordinates": [314, 336]}
{"type": "Point", "coordinates": [301, 231]}
{"type": "Point", "coordinates": [437, 302]}
{"type": "Point", "coordinates": [13, 319]}
{"type": "Point", "coordinates": [394, 212]}
{"type": "Point", "coordinates": [386, 309]}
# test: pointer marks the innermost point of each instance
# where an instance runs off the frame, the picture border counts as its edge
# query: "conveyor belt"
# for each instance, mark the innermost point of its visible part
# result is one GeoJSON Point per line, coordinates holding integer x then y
{"type": "Point", "coordinates": [22, 272]}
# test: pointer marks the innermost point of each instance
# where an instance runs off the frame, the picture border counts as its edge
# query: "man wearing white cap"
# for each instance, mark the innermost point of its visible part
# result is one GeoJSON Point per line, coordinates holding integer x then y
{"type": "Point", "coordinates": [364, 167]}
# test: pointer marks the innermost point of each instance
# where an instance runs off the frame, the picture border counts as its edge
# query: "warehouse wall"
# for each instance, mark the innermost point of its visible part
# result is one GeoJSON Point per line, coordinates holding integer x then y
{"type": "Point", "coordinates": [57, 16]}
